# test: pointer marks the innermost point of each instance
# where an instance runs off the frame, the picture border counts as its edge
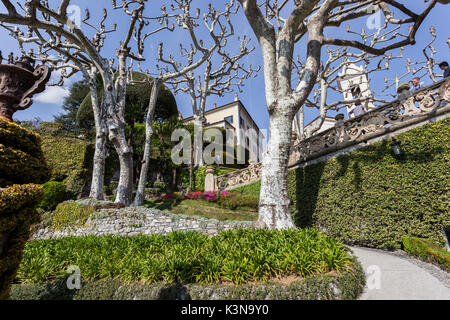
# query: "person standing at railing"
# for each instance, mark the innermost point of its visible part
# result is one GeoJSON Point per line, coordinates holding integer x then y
{"type": "Point", "coordinates": [444, 66]}
{"type": "Point", "coordinates": [416, 84]}
{"type": "Point", "coordinates": [359, 108]}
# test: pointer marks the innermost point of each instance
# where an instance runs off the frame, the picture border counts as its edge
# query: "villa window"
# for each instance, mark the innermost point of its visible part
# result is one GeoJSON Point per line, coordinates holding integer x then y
{"type": "Point", "coordinates": [229, 119]}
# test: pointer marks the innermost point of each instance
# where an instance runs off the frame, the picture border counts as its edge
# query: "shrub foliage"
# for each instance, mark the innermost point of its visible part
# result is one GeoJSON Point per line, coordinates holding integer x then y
{"type": "Point", "coordinates": [21, 163]}
{"type": "Point", "coordinates": [346, 285]}
{"type": "Point", "coordinates": [21, 158]}
{"type": "Point", "coordinates": [70, 159]}
{"type": "Point", "coordinates": [71, 214]}
{"type": "Point", "coordinates": [17, 214]}
{"type": "Point", "coordinates": [427, 250]}
{"type": "Point", "coordinates": [54, 193]}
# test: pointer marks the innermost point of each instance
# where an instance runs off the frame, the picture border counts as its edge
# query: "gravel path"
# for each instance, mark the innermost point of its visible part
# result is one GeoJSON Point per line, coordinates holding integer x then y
{"type": "Point", "coordinates": [398, 276]}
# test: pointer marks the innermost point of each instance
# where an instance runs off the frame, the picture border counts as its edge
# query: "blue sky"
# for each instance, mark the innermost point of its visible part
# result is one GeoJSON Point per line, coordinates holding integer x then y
{"type": "Point", "coordinates": [49, 103]}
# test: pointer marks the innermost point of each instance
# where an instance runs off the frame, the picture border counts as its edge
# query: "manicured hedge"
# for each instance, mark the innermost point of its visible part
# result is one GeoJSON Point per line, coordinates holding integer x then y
{"type": "Point", "coordinates": [21, 163]}
{"type": "Point", "coordinates": [427, 250]}
{"type": "Point", "coordinates": [54, 193]}
{"type": "Point", "coordinates": [21, 158]}
{"type": "Point", "coordinates": [332, 286]}
{"type": "Point", "coordinates": [236, 256]}
{"type": "Point", "coordinates": [70, 214]}
{"type": "Point", "coordinates": [369, 198]}
{"type": "Point", "coordinates": [17, 214]}
{"type": "Point", "coordinates": [70, 159]}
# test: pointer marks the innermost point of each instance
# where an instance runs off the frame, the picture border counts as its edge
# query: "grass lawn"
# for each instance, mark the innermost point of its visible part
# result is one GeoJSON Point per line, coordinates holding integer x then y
{"type": "Point", "coordinates": [203, 209]}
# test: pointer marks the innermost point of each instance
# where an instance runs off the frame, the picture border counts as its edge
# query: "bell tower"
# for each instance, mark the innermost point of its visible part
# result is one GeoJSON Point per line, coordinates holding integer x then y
{"type": "Point", "coordinates": [351, 78]}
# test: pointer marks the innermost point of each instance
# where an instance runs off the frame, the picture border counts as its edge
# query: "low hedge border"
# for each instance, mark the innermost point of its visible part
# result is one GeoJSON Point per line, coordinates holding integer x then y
{"type": "Point", "coordinates": [347, 285]}
{"type": "Point", "coordinates": [17, 214]}
{"type": "Point", "coordinates": [427, 251]}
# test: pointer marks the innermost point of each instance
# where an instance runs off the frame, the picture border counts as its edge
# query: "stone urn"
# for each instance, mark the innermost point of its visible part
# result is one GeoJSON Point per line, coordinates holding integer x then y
{"type": "Point", "coordinates": [339, 116]}
{"type": "Point", "coordinates": [403, 91]}
{"type": "Point", "coordinates": [18, 83]}
{"type": "Point", "coordinates": [209, 170]}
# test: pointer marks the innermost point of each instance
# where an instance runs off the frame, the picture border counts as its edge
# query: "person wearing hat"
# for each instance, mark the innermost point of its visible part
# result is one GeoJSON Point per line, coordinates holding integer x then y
{"type": "Point", "coordinates": [444, 66]}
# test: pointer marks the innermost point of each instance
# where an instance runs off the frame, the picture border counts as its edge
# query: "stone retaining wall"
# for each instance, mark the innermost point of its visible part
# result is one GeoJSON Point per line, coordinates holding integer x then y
{"type": "Point", "coordinates": [132, 221]}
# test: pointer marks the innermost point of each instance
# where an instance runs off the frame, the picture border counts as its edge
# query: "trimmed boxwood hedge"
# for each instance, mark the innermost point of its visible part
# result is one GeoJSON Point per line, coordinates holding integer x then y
{"type": "Point", "coordinates": [70, 159]}
{"type": "Point", "coordinates": [369, 198]}
{"type": "Point", "coordinates": [54, 193]}
{"type": "Point", "coordinates": [17, 214]}
{"type": "Point", "coordinates": [21, 158]}
{"type": "Point", "coordinates": [428, 251]}
{"type": "Point", "coordinates": [21, 165]}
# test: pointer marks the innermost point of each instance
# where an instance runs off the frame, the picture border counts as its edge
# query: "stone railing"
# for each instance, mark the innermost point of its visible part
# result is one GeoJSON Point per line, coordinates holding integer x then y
{"type": "Point", "coordinates": [240, 177]}
{"type": "Point", "coordinates": [415, 108]}
{"type": "Point", "coordinates": [419, 106]}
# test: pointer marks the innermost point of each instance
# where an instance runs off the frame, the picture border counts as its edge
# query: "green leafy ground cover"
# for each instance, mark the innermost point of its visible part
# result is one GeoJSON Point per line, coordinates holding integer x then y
{"type": "Point", "coordinates": [235, 256]}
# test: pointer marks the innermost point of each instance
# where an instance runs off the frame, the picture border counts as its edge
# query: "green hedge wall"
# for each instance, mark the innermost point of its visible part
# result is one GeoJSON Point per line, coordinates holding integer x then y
{"type": "Point", "coordinates": [21, 164]}
{"type": "Point", "coordinates": [70, 159]}
{"type": "Point", "coordinates": [21, 158]}
{"type": "Point", "coordinates": [17, 214]}
{"type": "Point", "coordinates": [369, 198]}
{"type": "Point", "coordinates": [428, 251]}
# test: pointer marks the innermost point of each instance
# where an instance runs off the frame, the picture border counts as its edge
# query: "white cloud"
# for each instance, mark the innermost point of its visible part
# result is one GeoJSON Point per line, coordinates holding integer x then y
{"type": "Point", "coordinates": [53, 95]}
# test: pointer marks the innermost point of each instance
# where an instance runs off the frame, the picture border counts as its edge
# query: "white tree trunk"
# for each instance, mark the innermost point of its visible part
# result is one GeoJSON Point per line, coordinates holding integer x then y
{"type": "Point", "coordinates": [98, 171]}
{"type": "Point", "coordinates": [116, 127]}
{"type": "Point", "coordinates": [198, 141]}
{"type": "Point", "coordinates": [274, 201]}
{"type": "Point", "coordinates": [140, 192]}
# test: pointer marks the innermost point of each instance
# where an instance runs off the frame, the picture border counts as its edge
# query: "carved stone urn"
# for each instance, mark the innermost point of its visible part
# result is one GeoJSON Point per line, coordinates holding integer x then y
{"type": "Point", "coordinates": [18, 83]}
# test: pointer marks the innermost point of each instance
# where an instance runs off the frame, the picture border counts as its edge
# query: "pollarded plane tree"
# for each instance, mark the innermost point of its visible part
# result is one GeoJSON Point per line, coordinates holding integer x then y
{"type": "Point", "coordinates": [366, 64]}
{"type": "Point", "coordinates": [328, 80]}
{"type": "Point", "coordinates": [65, 58]}
{"type": "Point", "coordinates": [223, 73]}
{"type": "Point", "coordinates": [422, 68]}
{"type": "Point", "coordinates": [191, 56]}
{"type": "Point", "coordinates": [279, 26]}
{"type": "Point", "coordinates": [56, 34]}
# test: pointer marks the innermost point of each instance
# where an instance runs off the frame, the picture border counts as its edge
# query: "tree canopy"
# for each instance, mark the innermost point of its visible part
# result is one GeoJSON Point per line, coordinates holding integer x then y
{"type": "Point", "coordinates": [137, 99]}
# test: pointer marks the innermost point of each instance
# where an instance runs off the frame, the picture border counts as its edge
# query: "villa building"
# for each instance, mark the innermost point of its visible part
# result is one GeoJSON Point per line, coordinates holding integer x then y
{"type": "Point", "coordinates": [235, 118]}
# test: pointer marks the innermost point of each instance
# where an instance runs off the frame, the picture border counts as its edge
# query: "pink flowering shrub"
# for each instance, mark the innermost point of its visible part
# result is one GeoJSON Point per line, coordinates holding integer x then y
{"type": "Point", "coordinates": [226, 199]}
{"type": "Point", "coordinates": [210, 196]}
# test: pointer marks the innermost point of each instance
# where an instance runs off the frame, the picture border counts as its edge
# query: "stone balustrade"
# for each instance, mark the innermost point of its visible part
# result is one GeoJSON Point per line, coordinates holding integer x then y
{"type": "Point", "coordinates": [417, 107]}
{"type": "Point", "coordinates": [240, 177]}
